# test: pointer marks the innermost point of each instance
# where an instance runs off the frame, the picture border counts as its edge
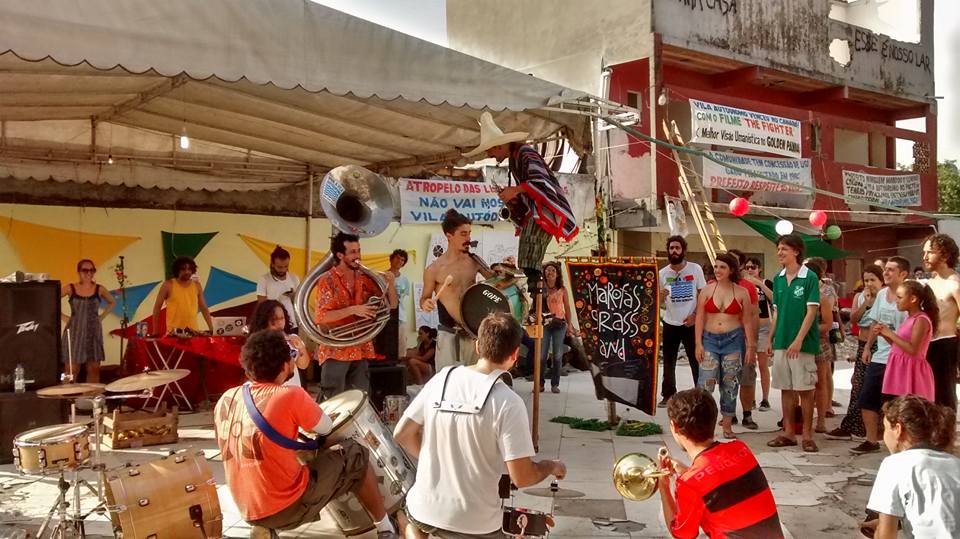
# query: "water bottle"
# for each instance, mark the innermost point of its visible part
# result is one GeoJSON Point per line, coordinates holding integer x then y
{"type": "Point", "coordinates": [19, 379]}
{"type": "Point", "coordinates": [836, 337]}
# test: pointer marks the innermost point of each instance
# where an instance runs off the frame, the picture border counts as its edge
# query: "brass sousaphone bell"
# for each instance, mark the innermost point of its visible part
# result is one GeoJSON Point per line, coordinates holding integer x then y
{"type": "Point", "coordinates": [636, 476]}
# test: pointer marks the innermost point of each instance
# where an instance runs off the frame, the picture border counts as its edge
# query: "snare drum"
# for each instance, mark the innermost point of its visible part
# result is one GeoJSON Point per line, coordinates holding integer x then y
{"type": "Point", "coordinates": [50, 449]}
{"type": "Point", "coordinates": [524, 522]}
{"type": "Point", "coordinates": [358, 420]}
{"type": "Point", "coordinates": [163, 498]}
{"type": "Point", "coordinates": [490, 296]}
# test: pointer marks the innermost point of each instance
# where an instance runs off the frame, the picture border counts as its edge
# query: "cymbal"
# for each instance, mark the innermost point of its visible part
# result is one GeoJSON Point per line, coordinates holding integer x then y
{"type": "Point", "coordinates": [147, 380]}
{"type": "Point", "coordinates": [71, 391]}
{"type": "Point", "coordinates": [554, 493]}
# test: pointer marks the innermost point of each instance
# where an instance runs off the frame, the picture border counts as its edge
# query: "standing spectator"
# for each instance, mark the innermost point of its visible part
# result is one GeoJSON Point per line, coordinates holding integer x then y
{"type": "Point", "coordinates": [723, 334]}
{"type": "Point", "coordinates": [271, 315]}
{"type": "Point", "coordinates": [398, 259]}
{"type": "Point", "coordinates": [749, 370]}
{"type": "Point", "coordinates": [83, 333]}
{"type": "Point", "coordinates": [558, 327]}
{"type": "Point", "coordinates": [183, 296]}
{"type": "Point", "coordinates": [908, 372]}
{"type": "Point", "coordinates": [884, 311]}
{"type": "Point", "coordinates": [852, 424]}
{"type": "Point", "coordinates": [796, 296]}
{"type": "Point", "coordinates": [827, 354]}
{"type": "Point", "coordinates": [919, 483]}
{"type": "Point", "coordinates": [940, 256]}
{"type": "Point", "coordinates": [748, 382]}
{"type": "Point", "coordinates": [279, 284]}
{"type": "Point", "coordinates": [680, 281]}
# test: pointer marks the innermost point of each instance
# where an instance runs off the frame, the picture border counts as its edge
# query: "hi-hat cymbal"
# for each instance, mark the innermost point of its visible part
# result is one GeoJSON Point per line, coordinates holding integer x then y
{"type": "Point", "coordinates": [147, 380]}
{"type": "Point", "coordinates": [554, 493]}
{"type": "Point", "coordinates": [71, 391]}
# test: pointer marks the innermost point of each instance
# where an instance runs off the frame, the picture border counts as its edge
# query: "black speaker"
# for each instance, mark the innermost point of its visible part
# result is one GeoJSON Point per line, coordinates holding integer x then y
{"type": "Point", "coordinates": [386, 379]}
{"type": "Point", "coordinates": [20, 412]}
{"type": "Point", "coordinates": [30, 333]}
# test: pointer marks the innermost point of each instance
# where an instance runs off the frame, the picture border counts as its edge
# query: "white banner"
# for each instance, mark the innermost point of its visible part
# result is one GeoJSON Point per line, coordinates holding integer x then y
{"type": "Point", "coordinates": [890, 190]}
{"type": "Point", "coordinates": [424, 318]}
{"type": "Point", "coordinates": [739, 128]}
{"type": "Point", "coordinates": [425, 201]}
{"type": "Point", "coordinates": [794, 171]}
{"type": "Point", "coordinates": [676, 218]}
{"type": "Point", "coordinates": [492, 245]}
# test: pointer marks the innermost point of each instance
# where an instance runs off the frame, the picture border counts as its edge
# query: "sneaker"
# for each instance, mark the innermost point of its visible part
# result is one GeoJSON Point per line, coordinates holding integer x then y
{"type": "Point", "coordinates": [764, 406]}
{"type": "Point", "coordinates": [749, 423]}
{"type": "Point", "coordinates": [838, 434]}
{"type": "Point", "coordinates": [866, 447]}
{"type": "Point", "coordinates": [663, 403]}
{"type": "Point", "coordinates": [555, 389]}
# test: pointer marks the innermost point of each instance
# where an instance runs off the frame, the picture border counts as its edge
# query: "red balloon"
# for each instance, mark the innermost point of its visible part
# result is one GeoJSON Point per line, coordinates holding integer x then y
{"type": "Point", "coordinates": [818, 218]}
{"type": "Point", "coordinates": [739, 207]}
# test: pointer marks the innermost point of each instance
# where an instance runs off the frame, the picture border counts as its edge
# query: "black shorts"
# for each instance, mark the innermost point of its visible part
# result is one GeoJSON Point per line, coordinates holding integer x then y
{"type": "Point", "coordinates": [871, 393]}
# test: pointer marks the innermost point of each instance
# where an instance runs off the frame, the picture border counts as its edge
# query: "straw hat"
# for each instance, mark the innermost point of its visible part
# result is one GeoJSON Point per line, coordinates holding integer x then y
{"type": "Point", "coordinates": [491, 135]}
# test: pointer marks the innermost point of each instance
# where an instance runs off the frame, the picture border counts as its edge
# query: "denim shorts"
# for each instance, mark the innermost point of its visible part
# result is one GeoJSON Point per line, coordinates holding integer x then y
{"type": "Point", "coordinates": [722, 363]}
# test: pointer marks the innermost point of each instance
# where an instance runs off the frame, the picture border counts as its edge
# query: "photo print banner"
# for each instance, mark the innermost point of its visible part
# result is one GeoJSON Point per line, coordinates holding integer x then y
{"type": "Point", "coordinates": [616, 305]}
{"type": "Point", "coordinates": [794, 171]}
{"type": "Point", "coordinates": [738, 128]}
{"type": "Point", "coordinates": [891, 190]}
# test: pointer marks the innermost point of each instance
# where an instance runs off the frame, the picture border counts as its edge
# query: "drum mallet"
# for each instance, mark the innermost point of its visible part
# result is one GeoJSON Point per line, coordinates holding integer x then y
{"type": "Point", "coordinates": [446, 282]}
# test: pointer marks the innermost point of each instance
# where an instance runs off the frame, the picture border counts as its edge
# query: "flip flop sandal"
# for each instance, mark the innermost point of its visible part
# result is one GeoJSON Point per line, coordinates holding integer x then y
{"type": "Point", "coordinates": [809, 446]}
{"type": "Point", "coordinates": [782, 441]}
{"type": "Point", "coordinates": [729, 436]}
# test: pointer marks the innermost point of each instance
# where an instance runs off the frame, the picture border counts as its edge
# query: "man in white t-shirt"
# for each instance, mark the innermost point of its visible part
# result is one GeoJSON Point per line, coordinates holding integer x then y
{"type": "Point", "coordinates": [279, 284]}
{"type": "Point", "coordinates": [680, 281]}
{"type": "Point", "coordinates": [467, 427]}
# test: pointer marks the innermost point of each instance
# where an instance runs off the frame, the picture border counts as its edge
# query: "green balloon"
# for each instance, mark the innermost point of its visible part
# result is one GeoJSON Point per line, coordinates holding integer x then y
{"type": "Point", "coordinates": [832, 232]}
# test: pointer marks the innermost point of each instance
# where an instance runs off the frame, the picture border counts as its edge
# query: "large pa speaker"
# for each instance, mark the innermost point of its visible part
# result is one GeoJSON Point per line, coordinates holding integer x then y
{"type": "Point", "coordinates": [30, 333]}
{"type": "Point", "coordinates": [20, 412]}
{"type": "Point", "coordinates": [386, 378]}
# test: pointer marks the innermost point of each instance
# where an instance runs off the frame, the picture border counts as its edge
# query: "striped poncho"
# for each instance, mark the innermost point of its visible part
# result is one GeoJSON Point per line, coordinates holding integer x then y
{"type": "Point", "coordinates": [548, 207]}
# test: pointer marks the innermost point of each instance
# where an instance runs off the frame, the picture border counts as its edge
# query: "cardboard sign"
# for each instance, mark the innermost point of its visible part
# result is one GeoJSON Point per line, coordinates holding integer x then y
{"type": "Point", "coordinates": [738, 128]}
{"type": "Point", "coordinates": [616, 306]}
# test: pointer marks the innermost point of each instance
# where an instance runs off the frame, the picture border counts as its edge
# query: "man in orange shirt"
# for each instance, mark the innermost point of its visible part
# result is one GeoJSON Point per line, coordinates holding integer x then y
{"type": "Point", "coordinates": [271, 488]}
{"type": "Point", "coordinates": [342, 295]}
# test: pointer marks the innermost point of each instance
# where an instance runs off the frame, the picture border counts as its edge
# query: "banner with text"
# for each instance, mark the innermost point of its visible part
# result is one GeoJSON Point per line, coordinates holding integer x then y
{"type": "Point", "coordinates": [890, 190]}
{"type": "Point", "coordinates": [739, 128]}
{"type": "Point", "coordinates": [425, 201]}
{"type": "Point", "coordinates": [794, 171]}
{"type": "Point", "coordinates": [616, 306]}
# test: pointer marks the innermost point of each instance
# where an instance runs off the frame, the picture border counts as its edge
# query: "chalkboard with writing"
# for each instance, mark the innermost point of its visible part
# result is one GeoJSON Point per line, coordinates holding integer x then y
{"type": "Point", "coordinates": [616, 304]}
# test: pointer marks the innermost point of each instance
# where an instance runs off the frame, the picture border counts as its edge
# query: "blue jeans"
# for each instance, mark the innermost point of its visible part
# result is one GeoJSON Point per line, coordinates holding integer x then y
{"type": "Point", "coordinates": [723, 361]}
{"type": "Point", "coordinates": [552, 341]}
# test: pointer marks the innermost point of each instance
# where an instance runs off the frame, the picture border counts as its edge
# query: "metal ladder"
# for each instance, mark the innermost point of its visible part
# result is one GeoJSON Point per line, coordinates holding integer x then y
{"type": "Point", "coordinates": [692, 188]}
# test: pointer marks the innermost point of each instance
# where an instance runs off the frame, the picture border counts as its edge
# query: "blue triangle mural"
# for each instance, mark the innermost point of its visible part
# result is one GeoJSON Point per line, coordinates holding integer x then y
{"type": "Point", "coordinates": [135, 296]}
{"type": "Point", "coordinates": [223, 286]}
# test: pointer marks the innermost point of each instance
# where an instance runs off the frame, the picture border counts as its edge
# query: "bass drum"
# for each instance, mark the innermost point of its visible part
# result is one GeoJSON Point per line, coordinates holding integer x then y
{"type": "Point", "coordinates": [492, 296]}
{"type": "Point", "coordinates": [359, 421]}
{"type": "Point", "coordinates": [163, 498]}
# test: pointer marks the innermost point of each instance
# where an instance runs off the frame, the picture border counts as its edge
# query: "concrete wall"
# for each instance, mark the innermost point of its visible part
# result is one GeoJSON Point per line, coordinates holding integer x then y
{"type": "Point", "coordinates": [796, 36]}
{"type": "Point", "coordinates": [566, 42]}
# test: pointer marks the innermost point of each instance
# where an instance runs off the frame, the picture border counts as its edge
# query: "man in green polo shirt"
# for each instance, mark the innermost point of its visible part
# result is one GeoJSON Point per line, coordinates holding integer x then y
{"type": "Point", "coordinates": [796, 298]}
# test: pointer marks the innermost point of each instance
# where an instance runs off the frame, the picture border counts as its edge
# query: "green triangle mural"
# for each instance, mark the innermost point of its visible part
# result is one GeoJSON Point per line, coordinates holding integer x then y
{"type": "Point", "coordinates": [176, 244]}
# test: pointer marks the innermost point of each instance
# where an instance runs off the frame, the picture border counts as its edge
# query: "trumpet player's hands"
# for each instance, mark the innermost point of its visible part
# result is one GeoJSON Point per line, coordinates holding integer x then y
{"type": "Point", "coordinates": [509, 193]}
{"type": "Point", "coordinates": [363, 311]}
{"type": "Point", "coordinates": [428, 305]}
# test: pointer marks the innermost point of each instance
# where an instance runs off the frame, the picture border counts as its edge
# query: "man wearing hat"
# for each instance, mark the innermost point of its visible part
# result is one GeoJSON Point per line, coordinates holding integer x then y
{"type": "Point", "coordinates": [545, 211]}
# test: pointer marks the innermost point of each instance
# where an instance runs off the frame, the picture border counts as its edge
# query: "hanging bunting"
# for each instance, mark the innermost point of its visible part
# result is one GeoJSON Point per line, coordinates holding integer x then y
{"type": "Point", "coordinates": [176, 245]}
{"type": "Point", "coordinates": [223, 286]}
{"type": "Point", "coordinates": [56, 251]}
{"type": "Point", "coordinates": [135, 296]}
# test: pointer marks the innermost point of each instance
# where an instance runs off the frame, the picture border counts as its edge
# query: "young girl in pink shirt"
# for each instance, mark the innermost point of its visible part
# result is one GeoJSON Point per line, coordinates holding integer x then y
{"type": "Point", "coordinates": [908, 372]}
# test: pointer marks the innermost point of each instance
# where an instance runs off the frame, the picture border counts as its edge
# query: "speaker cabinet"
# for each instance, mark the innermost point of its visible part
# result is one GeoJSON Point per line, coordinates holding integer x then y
{"type": "Point", "coordinates": [386, 379]}
{"type": "Point", "coordinates": [20, 412]}
{"type": "Point", "coordinates": [30, 333]}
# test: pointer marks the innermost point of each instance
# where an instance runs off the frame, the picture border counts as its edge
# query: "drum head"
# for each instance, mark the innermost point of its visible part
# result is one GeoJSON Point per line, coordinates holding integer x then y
{"type": "Point", "coordinates": [51, 435]}
{"type": "Point", "coordinates": [346, 404]}
{"type": "Point", "coordinates": [480, 300]}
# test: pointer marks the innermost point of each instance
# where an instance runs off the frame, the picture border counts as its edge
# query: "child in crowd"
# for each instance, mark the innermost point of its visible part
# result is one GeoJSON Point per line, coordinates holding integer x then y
{"type": "Point", "coordinates": [919, 483]}
{"type": "Point", "coordinates": [724, 491]}
{"type": "Point", "coordinates": [908, 372]}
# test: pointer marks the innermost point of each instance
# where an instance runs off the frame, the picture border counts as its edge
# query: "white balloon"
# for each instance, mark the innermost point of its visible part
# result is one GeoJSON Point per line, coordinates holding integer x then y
{"type": "Point", "coordinates": [784, 227]}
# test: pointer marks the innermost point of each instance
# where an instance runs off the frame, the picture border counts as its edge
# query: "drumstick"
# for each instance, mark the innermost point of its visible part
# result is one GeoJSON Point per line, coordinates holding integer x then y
{"type": "Point", "coordinates": [446, 281]}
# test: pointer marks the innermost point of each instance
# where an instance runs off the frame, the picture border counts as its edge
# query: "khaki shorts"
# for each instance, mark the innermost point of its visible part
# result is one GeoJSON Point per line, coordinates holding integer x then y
{"type": "Point", "coordinates": [448, 346]}
{"type": "Point", "coordinates": [798, 374]}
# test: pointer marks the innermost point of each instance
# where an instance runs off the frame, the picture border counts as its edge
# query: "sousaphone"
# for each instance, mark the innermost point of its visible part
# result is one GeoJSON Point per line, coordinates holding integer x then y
{"type": "Point", "coordinates": [357, 201]}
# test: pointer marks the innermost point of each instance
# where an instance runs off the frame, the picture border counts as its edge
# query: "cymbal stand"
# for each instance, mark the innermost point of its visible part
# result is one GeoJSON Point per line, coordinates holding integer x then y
{"type": "Point", "coordinates": [68, 526]}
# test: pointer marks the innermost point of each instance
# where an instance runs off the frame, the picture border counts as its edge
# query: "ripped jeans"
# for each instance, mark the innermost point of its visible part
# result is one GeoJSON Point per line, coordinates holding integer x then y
{"type": "Point", "coordinates": [723, 361]}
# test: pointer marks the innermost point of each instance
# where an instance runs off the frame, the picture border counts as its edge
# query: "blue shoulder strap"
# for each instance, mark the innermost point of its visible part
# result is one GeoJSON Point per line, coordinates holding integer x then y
{"type": "Point", "coordinates": [268, 430]}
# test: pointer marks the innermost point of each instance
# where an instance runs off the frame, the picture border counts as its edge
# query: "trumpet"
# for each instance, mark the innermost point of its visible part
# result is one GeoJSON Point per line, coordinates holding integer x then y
{"type": "Point", "coordinates": [637, 476]}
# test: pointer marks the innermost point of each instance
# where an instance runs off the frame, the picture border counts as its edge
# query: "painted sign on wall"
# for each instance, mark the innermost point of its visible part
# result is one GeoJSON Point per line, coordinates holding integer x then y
{"type": "Point", "coordinates": [795, 171]}
{"type": "Point", "coordinates": [740, 128]}
{"type": "Point", "coordinates": [425, 201]}
{"type": "Point", "coordinates": [890, 190]}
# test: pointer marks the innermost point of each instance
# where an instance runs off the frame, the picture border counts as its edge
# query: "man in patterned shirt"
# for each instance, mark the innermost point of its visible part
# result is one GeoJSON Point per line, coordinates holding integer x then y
{"type": "Point", "coordinates": [342, 295]}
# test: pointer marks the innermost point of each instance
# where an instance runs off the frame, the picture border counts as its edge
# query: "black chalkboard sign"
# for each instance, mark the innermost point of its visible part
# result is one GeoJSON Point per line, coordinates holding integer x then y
{"type": "Point", "coordinates": [616, 304]}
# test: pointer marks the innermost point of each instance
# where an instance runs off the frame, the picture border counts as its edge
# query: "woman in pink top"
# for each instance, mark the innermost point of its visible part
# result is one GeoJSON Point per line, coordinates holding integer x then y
{"type": "Point", "coordinates": [558, 327]}
{"type": "Point", "coordinates": [908, 372]}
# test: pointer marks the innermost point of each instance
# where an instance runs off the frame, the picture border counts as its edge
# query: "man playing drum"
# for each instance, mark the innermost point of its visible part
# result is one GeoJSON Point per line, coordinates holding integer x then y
{"type": "Point", "coordinates": [464, 426]}
{"type": "Point", "coordinates": [272, 489]}
{"type": "Point", "coordinates": [454, 345]}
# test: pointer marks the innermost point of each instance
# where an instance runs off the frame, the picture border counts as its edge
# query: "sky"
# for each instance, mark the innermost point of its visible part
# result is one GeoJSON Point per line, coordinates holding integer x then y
{"type": "Point", "coordinates": [426, 19]}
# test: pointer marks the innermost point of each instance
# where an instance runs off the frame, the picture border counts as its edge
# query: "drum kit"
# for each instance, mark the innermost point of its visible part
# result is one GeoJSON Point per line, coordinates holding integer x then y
{"type": "Point", "coordinates": [173, 496]}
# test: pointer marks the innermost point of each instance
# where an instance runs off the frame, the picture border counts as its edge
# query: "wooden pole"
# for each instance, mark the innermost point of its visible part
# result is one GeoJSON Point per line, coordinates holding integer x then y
{"type": "Point", "coordinates": [537, 335]}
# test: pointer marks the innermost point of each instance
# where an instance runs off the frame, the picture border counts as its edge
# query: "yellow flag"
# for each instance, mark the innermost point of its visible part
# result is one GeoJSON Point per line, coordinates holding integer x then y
{"type": "Point", "coordinates": [263, 248]}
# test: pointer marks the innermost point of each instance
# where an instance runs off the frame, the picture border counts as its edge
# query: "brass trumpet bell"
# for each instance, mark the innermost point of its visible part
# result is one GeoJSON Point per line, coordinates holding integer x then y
{"type": "Point", "coordinates": [636, 476]}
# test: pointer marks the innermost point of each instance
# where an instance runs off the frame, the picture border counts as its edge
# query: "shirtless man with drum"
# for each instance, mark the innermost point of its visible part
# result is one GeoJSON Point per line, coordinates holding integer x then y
{"type": "Point", "coordinates": [450, 276]}
{"type": "Point", "coordinates": [940, 254]}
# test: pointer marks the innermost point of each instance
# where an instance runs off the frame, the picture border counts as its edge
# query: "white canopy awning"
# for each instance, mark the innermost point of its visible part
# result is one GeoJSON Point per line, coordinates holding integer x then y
{"type": "Point", "coordinates": [269, 92]}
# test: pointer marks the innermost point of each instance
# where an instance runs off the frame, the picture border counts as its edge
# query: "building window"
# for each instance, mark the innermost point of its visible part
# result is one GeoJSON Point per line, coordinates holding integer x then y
{"type": "Point", "coordinates": [634, 100]}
